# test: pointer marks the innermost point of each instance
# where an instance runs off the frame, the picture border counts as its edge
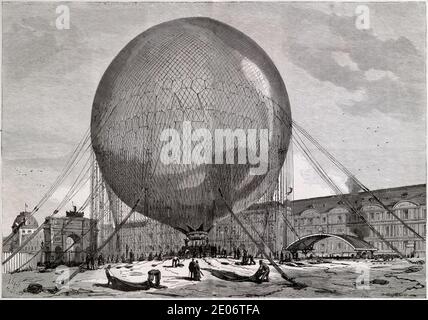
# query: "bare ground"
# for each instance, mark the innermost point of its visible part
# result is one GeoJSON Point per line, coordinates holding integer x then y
{"type": "Point", "coordinates": [334, 279]}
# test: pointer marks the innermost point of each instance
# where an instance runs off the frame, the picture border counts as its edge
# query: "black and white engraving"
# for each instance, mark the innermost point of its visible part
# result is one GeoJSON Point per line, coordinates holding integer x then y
{"type": "Point", "coordinates": [200, 150]}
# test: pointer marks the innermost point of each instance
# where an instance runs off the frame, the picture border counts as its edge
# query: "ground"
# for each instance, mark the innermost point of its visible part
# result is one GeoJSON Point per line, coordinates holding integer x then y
{"type": "Point", "coordinates": [329, 279]}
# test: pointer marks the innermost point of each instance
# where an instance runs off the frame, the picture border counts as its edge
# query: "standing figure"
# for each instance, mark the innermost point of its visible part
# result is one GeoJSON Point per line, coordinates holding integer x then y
{"type": "Point", "coordinates": [197, 271]}
{"type": "Point", "coordinates": [92, 262]}
{"type": "Point", "coordinates": [244, 257]}
{"type": "Point", "coordinates": [100, 259]}
{"type": "Point", "coordinates": [88, 260]}
{"type": "Point", "coordinates": [192, 268]}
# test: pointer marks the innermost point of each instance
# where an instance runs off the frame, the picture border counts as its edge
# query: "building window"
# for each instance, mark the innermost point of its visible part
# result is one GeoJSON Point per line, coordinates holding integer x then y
{"type": "Point", "coordinates": [371, 215]}
{"type": "Point", "coordinates": [339, 219]}
{"type": "Point", "coordinates": [405, 213]}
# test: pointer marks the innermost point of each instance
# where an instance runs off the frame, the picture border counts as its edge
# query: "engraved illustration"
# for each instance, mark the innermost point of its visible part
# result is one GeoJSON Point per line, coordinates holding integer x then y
{"type": "Point", "coordinates": [200, 150]}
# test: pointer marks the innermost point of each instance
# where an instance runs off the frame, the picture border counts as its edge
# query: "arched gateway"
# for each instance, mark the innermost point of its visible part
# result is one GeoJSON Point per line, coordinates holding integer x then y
{"type": "Point", "coordinates": [307, 242]}
{"type": "Point", "coordinates": [68, 239]}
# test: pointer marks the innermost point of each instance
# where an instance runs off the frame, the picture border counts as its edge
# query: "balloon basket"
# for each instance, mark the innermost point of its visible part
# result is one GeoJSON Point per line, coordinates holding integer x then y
{"type": "Point", "coordinates": [197, 238]}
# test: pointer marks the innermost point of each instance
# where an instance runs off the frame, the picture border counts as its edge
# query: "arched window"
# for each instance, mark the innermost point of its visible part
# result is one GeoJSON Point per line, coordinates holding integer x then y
{"type": "Point", "coordinates": [407, 210]}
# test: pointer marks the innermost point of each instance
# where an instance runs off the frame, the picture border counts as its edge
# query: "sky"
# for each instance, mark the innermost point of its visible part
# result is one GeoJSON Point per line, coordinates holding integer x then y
{"type": "Point", "coordinates": [360, 93]}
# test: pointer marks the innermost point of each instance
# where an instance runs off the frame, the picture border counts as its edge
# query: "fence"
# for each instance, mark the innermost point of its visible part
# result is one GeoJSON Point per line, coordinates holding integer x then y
{"type": "Point", "coordinates": [18, 260]}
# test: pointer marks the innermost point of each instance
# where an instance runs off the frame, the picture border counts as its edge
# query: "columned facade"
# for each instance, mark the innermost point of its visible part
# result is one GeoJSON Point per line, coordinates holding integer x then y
{"type": "Point", "coordinates": [330, 215]}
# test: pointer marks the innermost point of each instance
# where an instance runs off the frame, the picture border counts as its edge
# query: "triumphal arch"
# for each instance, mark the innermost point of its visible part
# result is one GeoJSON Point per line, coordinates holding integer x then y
{"type": "Point", "coordinates": [68, 239]}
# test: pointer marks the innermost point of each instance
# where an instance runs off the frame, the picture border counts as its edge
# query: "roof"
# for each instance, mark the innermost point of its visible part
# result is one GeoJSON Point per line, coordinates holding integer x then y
{"type": "Point", "coordinates": [29, 222]}
{"type": "Point", "coordinates": [307, 242]}
{"type": "Point", "coordinates": [389, 196]}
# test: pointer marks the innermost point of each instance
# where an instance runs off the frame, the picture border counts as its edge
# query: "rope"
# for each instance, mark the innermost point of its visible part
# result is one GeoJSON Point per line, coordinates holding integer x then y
{"type": "Point", "coordinates": [76, 272]}
{"type": "Point", "coordinates": [70, 165]}
{"type": "Point", "coordinates": [27, 262]}
{"type": "Point", "coordinates": [335, 188]}
{"type": "Point", "coordinates": [261, 248]}
{"type": "Point", "coordinates": [350, 175]}
{"type": "Point", "coordinates": [118, 227]}
{"type": "Point", "coordinates": [33, 235]}
{"type": "Point", "coordinates": [289, 224]}
{"type": "Point", "coordinates": [72, 162]}
{"type": "Point", "coordinates": [65, 251]}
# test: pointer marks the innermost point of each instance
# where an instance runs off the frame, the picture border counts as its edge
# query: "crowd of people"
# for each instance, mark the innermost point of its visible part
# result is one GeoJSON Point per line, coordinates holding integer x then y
{"type": "Point", "coordinates": [247, 259]}
{"type": "Point", "coordinates": [195, 273]}
{"type": "Point", "coordinates": [186, 252]}
{"type": "Point", "coordinates": [92, 262]}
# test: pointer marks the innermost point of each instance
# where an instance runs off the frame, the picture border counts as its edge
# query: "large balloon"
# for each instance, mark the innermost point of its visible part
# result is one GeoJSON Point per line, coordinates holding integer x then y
{"type": "Point", "coordinates": [174, 78]}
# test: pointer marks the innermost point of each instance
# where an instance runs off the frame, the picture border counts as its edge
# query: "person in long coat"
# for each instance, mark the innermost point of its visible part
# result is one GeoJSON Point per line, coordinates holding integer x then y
{"type": "Point", "coordinates": [192, 269]}
{"type": "Point", "coordinates": [197, 272]}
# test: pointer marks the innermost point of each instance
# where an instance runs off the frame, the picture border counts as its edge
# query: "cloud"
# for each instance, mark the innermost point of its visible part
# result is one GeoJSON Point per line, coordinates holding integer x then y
{"type": "Point", "coordinates": [340, 80]}
{"type": "Point", "coordinates": [78, 199]}
{"type": "Point", "coordinates": [390, 71]}
{"type": "Point", "coordinates": [34, 44]}
{"type": "Point", "coordinates": [374, 75]}
{"type": "Point", "coordinates": [344, 60]}
{"type": "Point", "coordinates": [308, 184]}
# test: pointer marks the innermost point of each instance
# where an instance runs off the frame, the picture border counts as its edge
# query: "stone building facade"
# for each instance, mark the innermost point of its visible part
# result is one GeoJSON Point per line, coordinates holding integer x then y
{"type": "Point", "coordinates": [143, 235]}
{"type": "Point", "coordinates": [19, 236]}
{"type": "Point", "coordinates": [330, 215]}
{"type": "Point", "coordinates": [264, 221]}
{"type": "Point", "coordinates": [68, 239]}
{"type": "Point", "coordinates": [275, 220]}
